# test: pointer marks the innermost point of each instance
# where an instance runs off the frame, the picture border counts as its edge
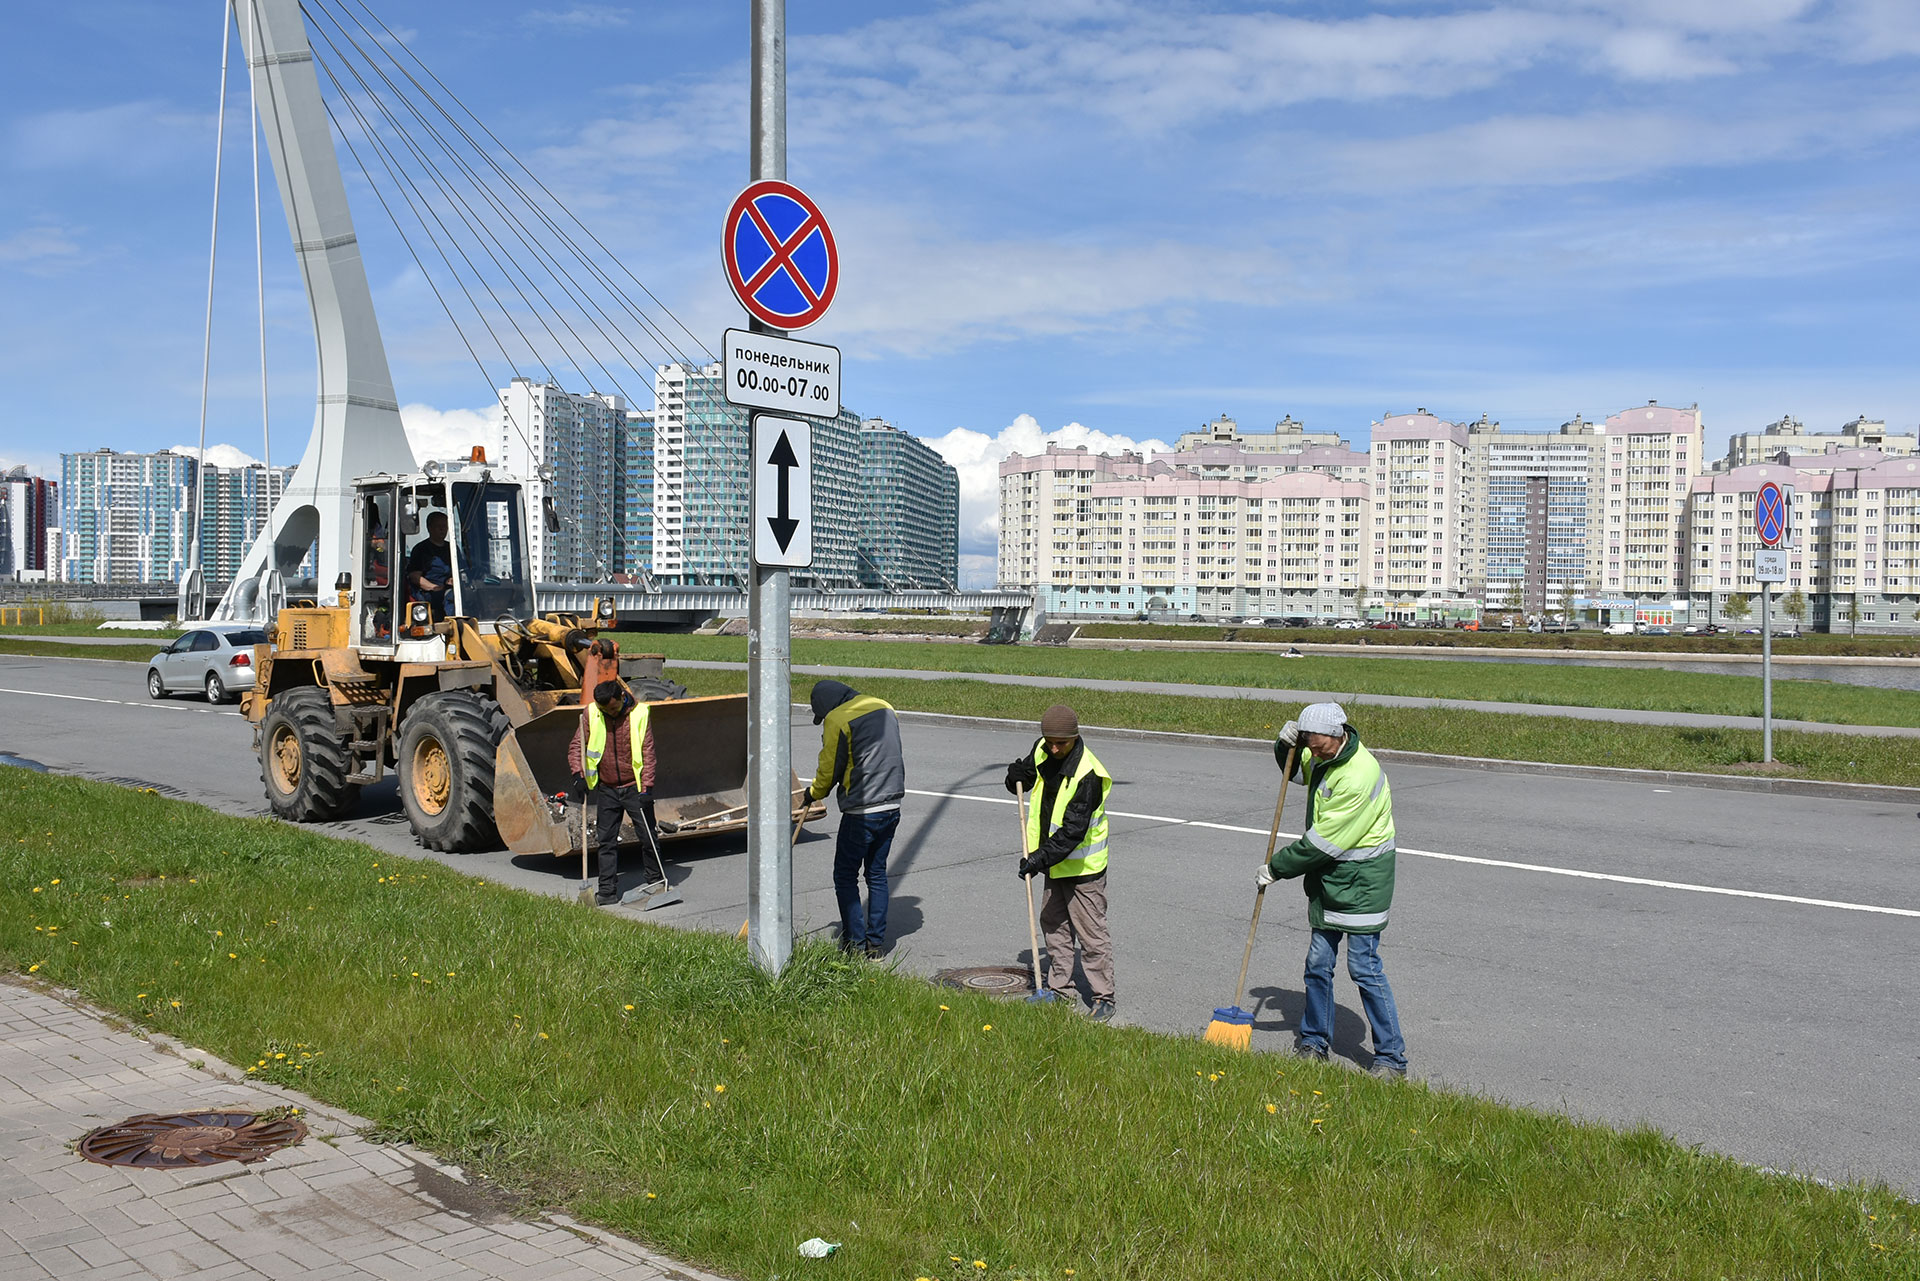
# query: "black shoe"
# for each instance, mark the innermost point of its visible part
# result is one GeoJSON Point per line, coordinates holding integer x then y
{"type": "Point", "coordinates": [875, 951]}
{"type": "Point", "coordinates": [1388, 1072]}
{"type": "Point", "coordinates": [1317, 1053]}
{"type": "Point", "coordinates": [1102, 1012]}
{"type": "Point", "coordinates": [606, 900]}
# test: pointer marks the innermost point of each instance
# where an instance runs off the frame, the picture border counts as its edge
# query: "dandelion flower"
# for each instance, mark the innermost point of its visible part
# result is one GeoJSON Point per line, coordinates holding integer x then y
{"type": "Point", "coordinates": [653, 1196]}
{"type": "Point", "coordinates": [1316, 1121]}
{"type": "Point", "coordinates": [233, 956]}
{"type": "Point", "coordinates": [32, 968]}
{"type": "Point", "coordinates": [719, 1089]}
{"type": "Point", "coordinates": [1272, 1108]}
{"type": "Point", "coordinates": [174, 1004]}
{"type": "Point", "coordinates": [980, 1264]}
{"type": "Point", "coordinates": [54, 881]}
{"type": "Point", "coordinates": [280, 1056]}
{"type": "Point", "coordinates": [942, 1007]}
{"type": "Point", "coordinates": [36, 890]}
{"type": "Point", "coordinates": [629, 1007]}
{"type": "Point", "coordinates": [545, 1037]}
{"type": "Point", "coordinates": [139, 996]}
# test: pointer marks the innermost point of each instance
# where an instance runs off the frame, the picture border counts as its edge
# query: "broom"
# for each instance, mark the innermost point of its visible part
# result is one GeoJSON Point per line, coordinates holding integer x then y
{"type": "Point", "coordinates": [798, 823]}
{"type": "Point", "coordinates": [1041, 992]}
{"type": "Point", "coordinates": [1233, 1026]}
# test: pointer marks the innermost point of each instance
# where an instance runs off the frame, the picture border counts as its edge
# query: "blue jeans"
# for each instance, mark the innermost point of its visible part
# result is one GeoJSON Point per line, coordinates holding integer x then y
{"type": "Point", "coordinates": [865, 841]}
{"type": "Point", "coordinates": [1364, 967]}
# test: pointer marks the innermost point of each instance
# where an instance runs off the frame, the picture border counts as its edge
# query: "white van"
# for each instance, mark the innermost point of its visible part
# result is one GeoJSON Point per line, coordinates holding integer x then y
{"type": "Point", "coordinates": [1620, 629]}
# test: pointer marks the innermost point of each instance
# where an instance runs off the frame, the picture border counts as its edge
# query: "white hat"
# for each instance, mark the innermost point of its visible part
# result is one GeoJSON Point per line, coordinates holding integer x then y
{"type": "Point", "coordinates": [1324, 718]}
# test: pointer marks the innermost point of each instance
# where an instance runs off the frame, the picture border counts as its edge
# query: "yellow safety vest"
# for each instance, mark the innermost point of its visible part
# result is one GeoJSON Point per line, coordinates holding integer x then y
{"type": "Point", "coordinates": [597, 742]}
{"type": "Point", "coordinates": [1090, 856]}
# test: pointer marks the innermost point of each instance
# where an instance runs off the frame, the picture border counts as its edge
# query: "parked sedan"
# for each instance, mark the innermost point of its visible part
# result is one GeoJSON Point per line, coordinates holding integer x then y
{"type": "Point", "coordinates": [216, 660]}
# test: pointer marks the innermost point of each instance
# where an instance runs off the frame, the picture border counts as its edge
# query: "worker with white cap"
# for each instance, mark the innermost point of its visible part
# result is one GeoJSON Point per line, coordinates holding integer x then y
{"type": "Point", "coordinates": [1346, 858]}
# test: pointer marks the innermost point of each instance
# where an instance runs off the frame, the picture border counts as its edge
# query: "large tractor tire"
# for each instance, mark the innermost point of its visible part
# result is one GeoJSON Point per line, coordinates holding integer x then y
{"type": "Point", "coordinates": [446, 753]}
{"type": "Point", "coordinates": [304, 761]}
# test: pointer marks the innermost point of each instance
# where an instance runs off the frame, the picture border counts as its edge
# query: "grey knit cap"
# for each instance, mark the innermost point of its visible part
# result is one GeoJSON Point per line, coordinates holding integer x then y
{"type": "Point", "coordinates": [1324, 718]}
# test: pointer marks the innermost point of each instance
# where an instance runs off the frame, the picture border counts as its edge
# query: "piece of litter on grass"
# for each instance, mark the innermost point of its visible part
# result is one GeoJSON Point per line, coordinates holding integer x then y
{"type": "Point", "coordinates": [815, 1248]}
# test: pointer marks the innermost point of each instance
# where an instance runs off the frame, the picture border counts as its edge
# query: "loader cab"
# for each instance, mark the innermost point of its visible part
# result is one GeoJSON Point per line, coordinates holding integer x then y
{"type": "Point", "coordinates": [450, 541]}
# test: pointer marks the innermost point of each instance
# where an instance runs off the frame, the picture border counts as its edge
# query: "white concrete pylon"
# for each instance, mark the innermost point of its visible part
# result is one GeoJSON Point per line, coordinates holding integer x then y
{"type": "Point", "coordinates": [356, 424]}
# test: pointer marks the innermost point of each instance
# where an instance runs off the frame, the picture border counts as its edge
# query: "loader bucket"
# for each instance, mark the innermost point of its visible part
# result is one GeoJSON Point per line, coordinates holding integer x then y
{"type": "Point", "coordinates": [700, 773]}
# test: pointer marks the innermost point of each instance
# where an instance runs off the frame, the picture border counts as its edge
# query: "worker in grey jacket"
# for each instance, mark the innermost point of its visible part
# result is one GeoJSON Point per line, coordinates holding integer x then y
{"type": "Point", "coordinates": [859, 753]}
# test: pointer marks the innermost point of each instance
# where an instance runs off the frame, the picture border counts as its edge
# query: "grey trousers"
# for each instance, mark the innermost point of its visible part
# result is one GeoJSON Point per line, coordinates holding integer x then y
{"type": "Point", "coordinates": [1076, 910]}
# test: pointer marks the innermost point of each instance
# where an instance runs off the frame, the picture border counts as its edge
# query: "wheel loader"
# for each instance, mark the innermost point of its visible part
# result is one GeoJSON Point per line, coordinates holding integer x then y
{"type": "Point", "coordinates": [434, 665]}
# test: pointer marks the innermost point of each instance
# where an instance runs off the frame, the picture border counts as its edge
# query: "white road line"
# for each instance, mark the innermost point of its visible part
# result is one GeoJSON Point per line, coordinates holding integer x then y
{"type": "Point", "coordinates": [119, 702]}
{"type": "Point", "coordinates": [1494, 862]}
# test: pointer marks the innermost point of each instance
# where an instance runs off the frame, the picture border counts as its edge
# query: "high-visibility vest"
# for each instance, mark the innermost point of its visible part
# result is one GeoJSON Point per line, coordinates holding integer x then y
{"type": "Point", "coordinates": [1090, 856]}
{"type": "Point", "coordinates": [1351, 813]}
{"type": "Point", "coordinates": [597, 742]}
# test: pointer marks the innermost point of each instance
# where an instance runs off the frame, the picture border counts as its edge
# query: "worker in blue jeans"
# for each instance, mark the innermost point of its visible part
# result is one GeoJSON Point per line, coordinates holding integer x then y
{"type": "Point", "coordinates": [860, 754]}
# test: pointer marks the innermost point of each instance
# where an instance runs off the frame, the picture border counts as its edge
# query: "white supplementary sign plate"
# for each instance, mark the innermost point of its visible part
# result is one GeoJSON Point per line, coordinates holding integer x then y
{"type": "Point", "coordinates": [763, 371]}
{"type": "Point", "coordinates": [1770, 565]}
{"type": "Point", "coordinates": [782, 492]}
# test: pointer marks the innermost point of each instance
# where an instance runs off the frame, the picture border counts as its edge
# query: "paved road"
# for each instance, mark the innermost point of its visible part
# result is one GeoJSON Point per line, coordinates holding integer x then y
{"type": "Point", "coordinates": [1623, 715]}
{"type": "Point", "coordinates": [1739, 970]}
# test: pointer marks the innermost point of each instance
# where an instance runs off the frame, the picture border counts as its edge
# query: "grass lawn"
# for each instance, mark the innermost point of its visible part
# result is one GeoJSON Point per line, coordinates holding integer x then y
{"type": "Point", "coordinates": [651, 1080]}
{"type": "Point", "coordinates": [132, 652]}
{"type": "Point", "coordinates": [1653, 690]}
{"type": "Point", "coordinates": [83, 628]}
{"type": "Point", "coordinates": [1867, 644]}
{"type": "Point", "coordinates": [1840, 757]}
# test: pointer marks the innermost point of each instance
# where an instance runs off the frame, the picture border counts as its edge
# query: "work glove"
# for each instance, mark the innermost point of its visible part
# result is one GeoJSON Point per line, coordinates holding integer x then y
{"type": "Point", "coordinates": [1289, 741]}
{"type": "Point", "coordinates": [577, 786]}
{"type": "Point", "coordinates": [1290, 734]}
{"type": "Point", "coordinates": [1264, 877]}
{"type": "Point", "coordinates": [1021, 774]}
{"type": "Point", "coordinates": [1029, 868]}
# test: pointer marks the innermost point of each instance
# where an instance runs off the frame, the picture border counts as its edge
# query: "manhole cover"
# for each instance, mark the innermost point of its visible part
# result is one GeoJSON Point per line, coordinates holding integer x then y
{"type": "Point", "coordinates": [992, 980]}
{"type": "Point", "coordinates": [177, 1139]}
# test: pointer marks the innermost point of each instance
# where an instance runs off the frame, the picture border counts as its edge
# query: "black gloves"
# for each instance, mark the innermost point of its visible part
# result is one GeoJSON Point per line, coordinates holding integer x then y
{"type": "Point", "coordinates": [1021, 774]}
{"type": "Point", "coordinates": [1029, 868]}
{"type": "Point", "coordinates": [577, 786]}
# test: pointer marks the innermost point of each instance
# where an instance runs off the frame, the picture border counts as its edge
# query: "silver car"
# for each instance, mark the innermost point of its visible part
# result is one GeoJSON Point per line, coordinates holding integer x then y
{"type": "Point", "coordinates": [216, 660]}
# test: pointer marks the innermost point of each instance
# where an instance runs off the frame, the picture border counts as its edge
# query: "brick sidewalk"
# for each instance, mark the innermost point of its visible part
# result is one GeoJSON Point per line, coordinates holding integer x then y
{"type": "Point", "coordinates": [332, 1208]}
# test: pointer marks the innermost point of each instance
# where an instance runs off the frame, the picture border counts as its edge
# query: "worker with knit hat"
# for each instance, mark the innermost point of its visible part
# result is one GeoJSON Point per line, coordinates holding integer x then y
{"type": "Point", "coordinates": [1346, 858]}
{"type": "Point", "coordinates": [1067, 839]}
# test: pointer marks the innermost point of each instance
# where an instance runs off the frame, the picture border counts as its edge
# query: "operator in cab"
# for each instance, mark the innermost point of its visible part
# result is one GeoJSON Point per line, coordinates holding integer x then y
{"type": "Point", "coordinates": [430, 567]}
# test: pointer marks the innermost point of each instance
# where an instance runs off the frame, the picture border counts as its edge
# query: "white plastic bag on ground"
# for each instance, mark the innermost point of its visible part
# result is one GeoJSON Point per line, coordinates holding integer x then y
{"type": "Point", "coordinates": [815, 1248]}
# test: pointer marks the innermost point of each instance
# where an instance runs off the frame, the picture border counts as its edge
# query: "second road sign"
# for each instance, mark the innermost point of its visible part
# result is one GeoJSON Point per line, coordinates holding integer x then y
{"type": "Point", "coordinates": [782, 492]}
{"type": "Point", "coordinates": [765, 372]}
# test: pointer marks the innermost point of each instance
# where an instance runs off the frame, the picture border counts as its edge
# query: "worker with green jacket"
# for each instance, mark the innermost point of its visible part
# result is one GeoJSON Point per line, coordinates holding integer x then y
{"type": "Point", "coordinates": [1346, 858]}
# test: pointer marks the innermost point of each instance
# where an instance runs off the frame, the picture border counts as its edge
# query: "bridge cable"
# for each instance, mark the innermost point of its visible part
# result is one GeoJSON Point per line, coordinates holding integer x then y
{"type": "Point", "coordinates": [213, 258]}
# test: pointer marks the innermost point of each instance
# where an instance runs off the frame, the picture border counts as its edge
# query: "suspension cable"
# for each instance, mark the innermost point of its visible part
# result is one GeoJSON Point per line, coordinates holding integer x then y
{"type": "Point", "coordinates": [213, 257]}
{"type": "Point", "coordinates": [259, 256]}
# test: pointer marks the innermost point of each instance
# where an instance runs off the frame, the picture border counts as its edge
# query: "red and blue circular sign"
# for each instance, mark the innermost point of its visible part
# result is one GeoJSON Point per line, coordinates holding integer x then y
{"type": "Point", "coordinates": [1770, 514]}
{"type": "Point", "coordinates": [780, 255]}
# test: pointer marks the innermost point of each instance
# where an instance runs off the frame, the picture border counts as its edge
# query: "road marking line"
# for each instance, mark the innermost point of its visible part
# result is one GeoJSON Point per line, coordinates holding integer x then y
{"type": "Point", "coordinates": [119, 702]}
{"type": "Point", "coordinates": [1577, 873]}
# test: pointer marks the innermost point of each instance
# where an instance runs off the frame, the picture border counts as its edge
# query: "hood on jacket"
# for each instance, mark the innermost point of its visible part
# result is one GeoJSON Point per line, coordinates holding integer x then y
{"type": "Point", "coordinates": [828, 695]}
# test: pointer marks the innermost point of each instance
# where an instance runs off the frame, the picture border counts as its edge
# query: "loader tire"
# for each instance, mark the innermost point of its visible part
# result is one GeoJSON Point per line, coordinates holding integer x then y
{"type": "Point", "coordinates": [445, 769]}
{"type": "Point", "coordinates": [656, 689]}
{"type": "Point", "coordinates": [303, 759]}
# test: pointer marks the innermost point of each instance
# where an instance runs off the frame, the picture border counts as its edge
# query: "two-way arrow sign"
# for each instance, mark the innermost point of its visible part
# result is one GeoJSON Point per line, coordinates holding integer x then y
{"type": "Point", "coordinates": [782, 492]}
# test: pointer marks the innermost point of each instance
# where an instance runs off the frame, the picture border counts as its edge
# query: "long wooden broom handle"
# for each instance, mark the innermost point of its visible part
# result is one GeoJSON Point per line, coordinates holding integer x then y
{"type": "Point", "coordinates": [1260, 895]}
{"type": "Point", "coordinates": [1026, 889]}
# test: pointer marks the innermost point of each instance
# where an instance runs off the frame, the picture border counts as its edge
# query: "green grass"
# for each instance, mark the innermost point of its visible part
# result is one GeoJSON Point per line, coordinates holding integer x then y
{"type": "Point", "coordinates": [129, 653]}
{"type": "Point", "coordinates": [1810, 643]}
{"type": "Point", "coordinates": [1651, 690]}
{"type": "Point", "coordinates": [493, 1027]}
{"type": "Point", "coordinates": [83, 628]}
{"type": "Point", "coordinates": [1838, 757]}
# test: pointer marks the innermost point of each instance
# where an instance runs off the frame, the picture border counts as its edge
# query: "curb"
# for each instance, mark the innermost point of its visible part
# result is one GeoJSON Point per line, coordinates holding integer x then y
{"type": "Point", "coordinates": [1871, 792]}
{"type": "Point", "coordinates": [1349, 650]}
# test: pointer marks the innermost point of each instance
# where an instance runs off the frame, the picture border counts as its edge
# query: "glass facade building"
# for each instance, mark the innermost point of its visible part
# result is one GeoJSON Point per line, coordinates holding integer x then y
{"type": "Point", "coordinates": [909, 511]}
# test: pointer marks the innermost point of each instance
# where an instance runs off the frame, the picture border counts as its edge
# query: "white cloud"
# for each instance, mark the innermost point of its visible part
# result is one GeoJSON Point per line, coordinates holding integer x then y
{"type": "Point", "coordinates": [580, 17]}
{"type": "Point", "coordinates": [976, 456]}
{"type": "Point", "coordinates": [126, 138]}
{"type": "Point", "coordinates": [220, 455]}
{"type": "Point", "coordinates": [448, 433]}
{"type": "Point", "coordinates": [41, 249]}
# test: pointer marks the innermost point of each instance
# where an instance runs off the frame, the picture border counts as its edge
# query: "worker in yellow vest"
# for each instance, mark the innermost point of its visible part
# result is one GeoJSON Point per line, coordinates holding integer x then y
{"type": "Point", "coordinates": [1067, 839]}
{"type": "Point", "coordinates": [613, 768]}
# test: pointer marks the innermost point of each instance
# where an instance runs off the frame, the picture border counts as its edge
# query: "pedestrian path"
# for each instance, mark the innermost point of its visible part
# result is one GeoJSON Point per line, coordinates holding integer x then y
{"type": "Point", "coordinates": [335, 1207]}
{"type": "Point", "coordinates": [1622, 715]}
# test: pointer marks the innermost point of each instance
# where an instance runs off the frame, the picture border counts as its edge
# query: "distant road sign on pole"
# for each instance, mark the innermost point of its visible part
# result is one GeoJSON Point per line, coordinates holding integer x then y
{"type": "Point", "coordinates": [780, 255]}
{"type": "Point", "coordinates": [767, 372]}
{"type": "Point", "coordinates": [782, 492]}
{"type": "Point", "coordinates": [1770, 565]}
{"type": "Point", "coordinates": [1770, 514]}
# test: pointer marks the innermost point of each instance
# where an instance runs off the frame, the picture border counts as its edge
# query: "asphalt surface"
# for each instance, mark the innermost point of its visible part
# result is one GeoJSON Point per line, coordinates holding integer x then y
{"type": "Point", "coordinates": [1621, 715]}
{"type": "Point", "coordinates": [1739, 970]}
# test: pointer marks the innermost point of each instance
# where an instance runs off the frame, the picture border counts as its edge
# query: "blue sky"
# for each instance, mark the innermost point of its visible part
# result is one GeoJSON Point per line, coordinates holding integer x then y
{"type": "Point", "coordinates": [1091, 219]}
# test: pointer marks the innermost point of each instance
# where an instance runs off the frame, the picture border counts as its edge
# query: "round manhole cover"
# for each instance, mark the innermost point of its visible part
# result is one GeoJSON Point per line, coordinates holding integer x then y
{"type": "Point", "coordinates": [991, 980]}
{"type": "Point", "coordinates": [174, 1140]}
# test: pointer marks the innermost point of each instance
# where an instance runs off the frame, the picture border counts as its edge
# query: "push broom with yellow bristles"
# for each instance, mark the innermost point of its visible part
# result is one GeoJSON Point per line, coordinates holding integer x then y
{"type": "Point", "coordinates": [1233, 1026]}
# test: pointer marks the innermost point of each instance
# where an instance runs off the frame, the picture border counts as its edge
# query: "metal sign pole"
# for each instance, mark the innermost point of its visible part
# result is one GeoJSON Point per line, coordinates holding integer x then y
{"type": "Point", "coordinates": [1766, 675]}
{"type": "Point", "coordinates": [769, 620]}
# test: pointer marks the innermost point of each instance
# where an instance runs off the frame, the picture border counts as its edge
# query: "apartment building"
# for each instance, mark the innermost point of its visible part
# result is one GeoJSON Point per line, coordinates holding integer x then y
{"type": "Point", "coordinates": [125, 518]}
{"type": "Point", "coordinates": [1789, 436]}
{"type": "Point", "coordinates": [909, 511]}
{"type": "Point", "coordinates": [235, 504]}
{"type": "Point", "coordinates": [1287, 436]}
{"type": "Point", "coordinates": [1532, 492]}
{"type": "Point", "coordinates": [1424, 516]}
{"type": "Point", "coordinates": [29, 511]}
{"type": "Point", "coordinates": [1653, 453]}
{"type": "Point", "coordinates": [586, 441]}
{"type": "Point", "coordinates": [1115, 535]}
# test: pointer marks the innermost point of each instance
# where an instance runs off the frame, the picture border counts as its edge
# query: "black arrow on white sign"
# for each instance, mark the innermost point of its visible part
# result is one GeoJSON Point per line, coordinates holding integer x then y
{"type": "Point", "coordinates": [781, 522]}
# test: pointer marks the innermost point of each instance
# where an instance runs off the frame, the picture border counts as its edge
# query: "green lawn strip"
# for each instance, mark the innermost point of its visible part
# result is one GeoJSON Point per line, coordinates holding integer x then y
{"type": "Point", "coordinates": [1813, 643]}
{"type": "Point", "coordinates": [83, 629]}
{"type": "Point", "coordinates": [491, 1026]}
{"type": "Point", "coordinates": [132, 653]}
{"type": "Point", "coordinates": [911, 626]}
{"type": "Point", "coordinates": [1840, 757]}
{"type": "Point", "coordinates": [1651, 690]}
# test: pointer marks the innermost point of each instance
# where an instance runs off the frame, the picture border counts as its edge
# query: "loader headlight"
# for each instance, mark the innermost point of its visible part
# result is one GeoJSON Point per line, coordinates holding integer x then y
{"type": "Point", "coordinates": [605, 608]}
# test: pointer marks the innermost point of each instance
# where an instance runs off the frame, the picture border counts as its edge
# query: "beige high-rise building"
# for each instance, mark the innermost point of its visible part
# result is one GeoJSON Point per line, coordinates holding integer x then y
{"type": "Point", "coordinates": [1532, 548]}
{"type": "Point", "coordinates": [1424, 515]}
{"type": "Point", "coordinates": [1287, 435]}
{"type": "Point", "coordinates": [1653, 453]}
{"type": "Point", "coordinates": [1790, 436]}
